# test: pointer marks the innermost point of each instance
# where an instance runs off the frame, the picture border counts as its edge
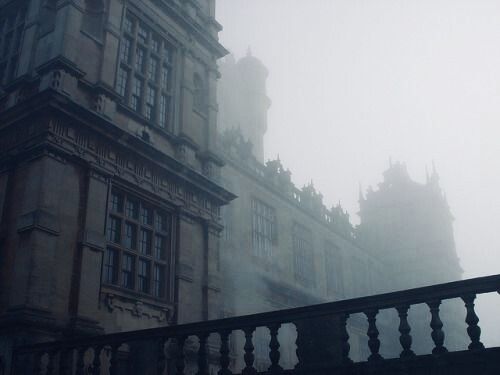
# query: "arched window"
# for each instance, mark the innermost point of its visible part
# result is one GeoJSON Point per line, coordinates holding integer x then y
{"type": "Point", "coordinates": [199, 94]}
{"type": "Point", "coordinates": [93, 18]}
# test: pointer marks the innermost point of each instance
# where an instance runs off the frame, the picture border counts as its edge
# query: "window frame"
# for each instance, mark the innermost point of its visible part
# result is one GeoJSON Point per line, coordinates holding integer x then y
{"type": "Point", "coordinates": [128, 210]}
{"type": "Point", "coordinates": [303, 255]}
{"type": "Point", "coordinates": [157, 47]}
{"type": "Point", "coordinates": [264, 228]}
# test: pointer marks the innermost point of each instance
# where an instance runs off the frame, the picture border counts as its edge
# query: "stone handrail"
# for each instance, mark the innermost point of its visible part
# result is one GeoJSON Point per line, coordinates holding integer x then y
{"type": "Point", "coordinates": [322, 337]}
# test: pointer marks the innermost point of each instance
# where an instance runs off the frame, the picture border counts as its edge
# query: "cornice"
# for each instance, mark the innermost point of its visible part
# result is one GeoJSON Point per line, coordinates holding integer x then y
{"type": "Point", "coordinates": [71, 130]}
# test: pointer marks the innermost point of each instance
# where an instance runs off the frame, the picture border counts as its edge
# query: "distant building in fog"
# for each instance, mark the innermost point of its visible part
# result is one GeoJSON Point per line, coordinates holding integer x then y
{"type": "Point", "coordinates": [282, 247]}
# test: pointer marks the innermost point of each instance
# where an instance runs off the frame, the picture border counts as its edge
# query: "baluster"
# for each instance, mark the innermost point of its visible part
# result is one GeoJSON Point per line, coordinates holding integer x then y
{"type": "Point", "coordinates": [37, 366]}
{"type": "Point", "coordinates": [80, 361]}
{"type": "Point", "coordinates": [64, 358]}
{"type": "Point", "coordinates": [50, 363]}
{"type": "Point", "coordinates": [224, 353]}
{"type": "Point", "coordinates": [437, 325]}
{"type": "Point", "coordinates": [202, 355]}
{"type": "Point", "coordinates": [404, 329]}
{"type": "Point", "coordinates": [274, 346]}
{"type": "Point", "coordinates": [96, 364]}
{"type": "Point", "coordinates": [113, 361]}
{"type": "Point", "coordinates": [373, 341]}
{"type": "Point", "coordinates": [472, 320]}
{"type": "Point", "coordinates": [249, 356]}
{"type": "Point", "coordinates": [162, 359]}
{"type": "Point", "coordinates": [179, 361]}
{"type": "Point", "coordinates": [344, 339]}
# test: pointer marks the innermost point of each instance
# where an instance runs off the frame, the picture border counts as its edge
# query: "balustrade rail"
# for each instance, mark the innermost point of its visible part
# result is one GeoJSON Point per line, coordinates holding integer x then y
{"type": "Point", "coordinates": [322, 344]}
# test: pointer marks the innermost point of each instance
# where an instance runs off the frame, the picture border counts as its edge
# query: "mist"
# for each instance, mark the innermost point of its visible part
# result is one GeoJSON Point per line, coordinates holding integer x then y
{"type": "Point", "coordinates": [356, 83]}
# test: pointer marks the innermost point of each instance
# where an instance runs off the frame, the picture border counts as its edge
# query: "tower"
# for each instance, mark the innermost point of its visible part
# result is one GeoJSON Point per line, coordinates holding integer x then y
{"type": "Point", "coordinates": [243, 100]}
{"type": "Point", "coordinates": [410, 227]}
{"type": "Point", "coordinates": [109, 200]}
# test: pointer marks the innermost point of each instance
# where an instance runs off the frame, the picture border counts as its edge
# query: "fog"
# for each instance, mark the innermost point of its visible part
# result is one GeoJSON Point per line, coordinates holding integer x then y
{"type": "Point", "coordinates": [354, 83]}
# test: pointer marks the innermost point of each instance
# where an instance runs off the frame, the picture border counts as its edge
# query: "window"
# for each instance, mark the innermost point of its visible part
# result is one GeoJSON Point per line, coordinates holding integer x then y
{"type": "Point", "coordinates": [150, 102]}
{"type": "Point", "coordinates": [138, 254]}
{"type": "Point", "coordinates": [158, 285]}
{"type": "Point", "coordinates": [11, 36]}
{"type": "Point", "coordinates": [303, 256]}
{"type": "Point", "coordinates": [136, 94]}
{"type": "Point", "coordinates": [333, 270]}
{"type": "Point", "coordinates": [163, 111]}
{"type": "Point", "coordinates": [110, 266]}
{"type": "Point", "coordinates": [125, 50]}
{"type": "Point", "coordinates": [263, 228]}
{"type": "Point", "coordinates": [128, 262]}
{"type": "Point", "coordinates": [145, 58]}
{"type": "Point", "coordinates": [153, 63]}
{"type": "Point", "coordinates": [139, 59]}
{"type": "Point", "coordinates": [121, 83]}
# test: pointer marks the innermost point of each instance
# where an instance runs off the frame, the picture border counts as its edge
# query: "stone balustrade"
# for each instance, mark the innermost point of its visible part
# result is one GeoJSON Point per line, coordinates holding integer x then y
{"type": "Point", "coordinates": [322, 344]}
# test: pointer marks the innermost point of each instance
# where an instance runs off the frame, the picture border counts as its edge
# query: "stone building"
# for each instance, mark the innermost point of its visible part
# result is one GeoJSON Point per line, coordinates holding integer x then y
{"type": "Point", "coordinates": [296, 251]}
{"type": "Point", "coordinates": [109, 193]}
{"type": "Point", "coordinates": [112, 180]}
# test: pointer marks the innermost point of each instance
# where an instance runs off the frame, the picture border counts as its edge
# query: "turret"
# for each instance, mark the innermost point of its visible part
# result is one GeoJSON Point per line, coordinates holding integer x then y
{"type": "Point", "coordinates": [243, 100]}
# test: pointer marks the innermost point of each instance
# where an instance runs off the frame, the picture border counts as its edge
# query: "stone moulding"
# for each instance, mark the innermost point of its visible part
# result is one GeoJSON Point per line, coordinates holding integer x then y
{"type": "Point", "coordinates": [108, 151]}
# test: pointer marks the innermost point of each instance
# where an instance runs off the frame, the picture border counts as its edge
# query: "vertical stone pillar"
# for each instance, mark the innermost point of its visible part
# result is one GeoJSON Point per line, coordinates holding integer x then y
{"type": "Point", "coordinates": [187, 261]}
{"type": "Point", "coordinates": [213, 280]}
{"type": "Point", "coordinates": [92, 245]}
{"type": "Point", "coordinates": [213, 76]}
{"type": "Point", "coordinates": [111, 43]}
{"type": "Point", "coordinates": [186, 67]}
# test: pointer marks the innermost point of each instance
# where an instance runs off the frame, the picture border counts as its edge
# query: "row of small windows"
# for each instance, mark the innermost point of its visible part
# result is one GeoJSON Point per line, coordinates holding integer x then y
{"type": "Point", "coordinates": [145, 72]}
{"type": "Point", "coordinates": [139, 239]}
{"type": "Point", "coordinates": [11, 34]}
{"type": "Point", "coordinates": [264, 238]}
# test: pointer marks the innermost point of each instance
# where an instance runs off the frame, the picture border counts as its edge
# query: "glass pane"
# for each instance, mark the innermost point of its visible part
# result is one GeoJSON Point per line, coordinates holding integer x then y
{"type": "Point", "coordinates": [130, 239]}
{"type": "Point", "coordinates": [143, 276]}
{"type": "Point", "coordinates": [145, 242]}
{"type": "Point", "coordinates": [160, 245]}
{"type": "Point", "coordinates": [128, 264]}
{"type": "Point", "coordinates": [114, 230]}
{"type": "Point", "coordinates": [132, 209]}
{"type": "Point", "coordinates": [159, 281]}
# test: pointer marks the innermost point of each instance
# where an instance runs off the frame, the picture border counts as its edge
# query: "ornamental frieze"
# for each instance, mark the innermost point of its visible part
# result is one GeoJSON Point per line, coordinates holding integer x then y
{"type": "Point", "coordinates": [112, 159]}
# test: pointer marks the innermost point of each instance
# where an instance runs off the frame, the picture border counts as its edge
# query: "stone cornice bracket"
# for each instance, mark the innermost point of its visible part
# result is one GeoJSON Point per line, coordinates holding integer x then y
{"type": "Point", "coordinates": [61, 63]}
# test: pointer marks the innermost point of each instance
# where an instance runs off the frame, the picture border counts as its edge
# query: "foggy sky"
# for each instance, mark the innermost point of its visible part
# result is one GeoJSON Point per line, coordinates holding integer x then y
{"type": "Point", "coordinates": [354, 83]}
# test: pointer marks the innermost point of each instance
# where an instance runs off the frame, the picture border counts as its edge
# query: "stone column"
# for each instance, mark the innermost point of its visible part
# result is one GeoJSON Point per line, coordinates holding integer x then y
{"type": "Point", "coordinates": [213, 279]}
{"type": "Point", "coordinates": [92, 245]}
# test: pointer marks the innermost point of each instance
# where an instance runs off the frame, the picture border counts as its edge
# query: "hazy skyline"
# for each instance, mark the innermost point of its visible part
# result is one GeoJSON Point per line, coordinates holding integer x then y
{"type": "Point", "coordinates": [354, 83]}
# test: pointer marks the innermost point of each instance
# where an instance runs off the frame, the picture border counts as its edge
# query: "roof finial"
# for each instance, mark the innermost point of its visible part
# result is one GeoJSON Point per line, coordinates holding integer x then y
{"type": "Point", "coordinates": [361, 196]}
{"type": "Point", "coordinates": [249, 51]}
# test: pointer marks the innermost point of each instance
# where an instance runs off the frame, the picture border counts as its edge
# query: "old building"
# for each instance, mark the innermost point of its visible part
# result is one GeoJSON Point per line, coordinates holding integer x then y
{"type": "Point", "coordinates": [108, 172]}
{"type": "Point", "coordinates": [296, 251]}
{"type": "Point", "coordinates": [112, 180]}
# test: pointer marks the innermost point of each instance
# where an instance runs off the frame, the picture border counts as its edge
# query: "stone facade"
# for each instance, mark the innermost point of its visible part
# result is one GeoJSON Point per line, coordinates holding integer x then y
{"type": "Point", "coordinates": [279, 232]}
{"type": "Point", "coordinates": [112, 183]}
{"type": "Point", "coordinates": [109, 192]}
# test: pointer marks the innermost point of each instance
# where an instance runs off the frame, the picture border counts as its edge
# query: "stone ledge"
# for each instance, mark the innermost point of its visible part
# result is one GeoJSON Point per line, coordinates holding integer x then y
{"type": "Point", "coordinates": [39, 220]}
